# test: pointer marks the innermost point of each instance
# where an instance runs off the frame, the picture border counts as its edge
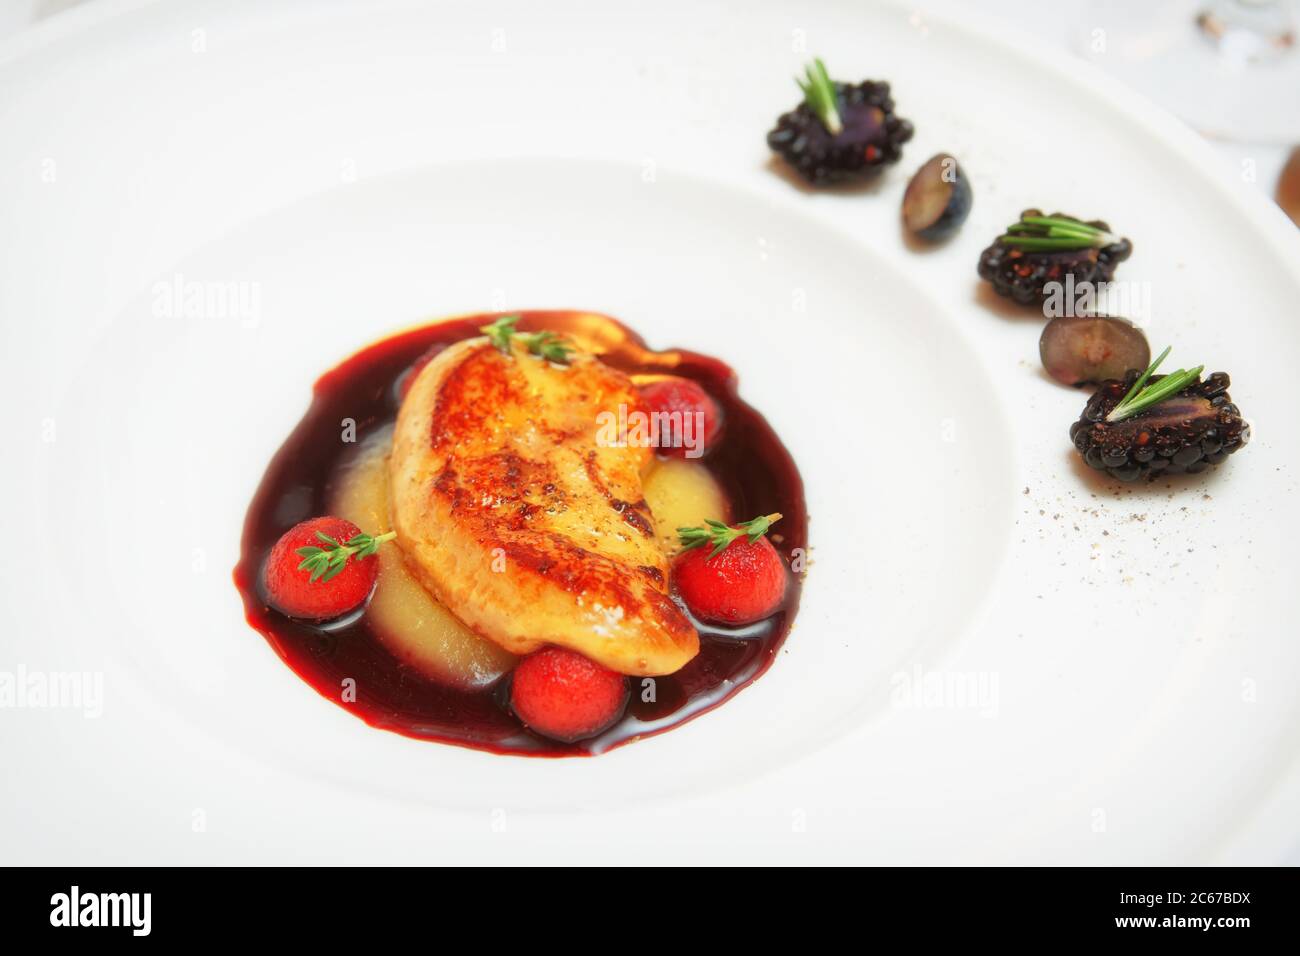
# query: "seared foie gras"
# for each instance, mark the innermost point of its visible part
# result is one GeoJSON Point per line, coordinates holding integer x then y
{"type": "Point", "coordinates": [520, 522]}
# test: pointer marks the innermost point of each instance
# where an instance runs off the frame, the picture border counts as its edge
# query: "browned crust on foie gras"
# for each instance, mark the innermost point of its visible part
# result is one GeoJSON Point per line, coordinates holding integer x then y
{"type": "Point", "coordinates": [524, 525]}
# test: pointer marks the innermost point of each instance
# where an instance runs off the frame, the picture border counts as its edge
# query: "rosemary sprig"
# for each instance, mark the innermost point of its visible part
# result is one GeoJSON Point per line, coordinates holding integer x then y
{"type": "Point", "coordinates": [501, 331]}
{"type": "Point", "coordinates": [819, 94]}
{"type": "Point", "coordinates": [1142, 396]}
{"type": "Point", "coordinates": [1055, 234]}
{"type": "Point", "coordinates": [721, 535]}
{"type": "Point", "coordinates": [324, 563]}
{"type": "Point", "coordinates": [548, 345]}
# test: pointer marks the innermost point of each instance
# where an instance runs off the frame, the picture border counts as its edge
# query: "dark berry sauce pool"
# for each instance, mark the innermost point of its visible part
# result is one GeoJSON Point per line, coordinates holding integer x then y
{"type": "Point", "coordinates": [752, 465]}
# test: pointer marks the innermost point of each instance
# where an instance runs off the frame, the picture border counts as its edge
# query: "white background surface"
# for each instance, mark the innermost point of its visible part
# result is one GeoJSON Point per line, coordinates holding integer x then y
{"type": "Point", "coordinates": [1054, 24]}
{"type": "Point", "coordinates": [1144, 722]}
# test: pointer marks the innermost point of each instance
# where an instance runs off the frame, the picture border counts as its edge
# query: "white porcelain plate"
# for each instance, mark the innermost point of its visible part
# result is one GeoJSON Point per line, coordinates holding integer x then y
{"type": "Point", "coordinates": [999, 657]}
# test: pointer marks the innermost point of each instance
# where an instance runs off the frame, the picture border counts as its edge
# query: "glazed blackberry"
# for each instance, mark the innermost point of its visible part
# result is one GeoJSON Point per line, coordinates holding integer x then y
{"type": "Point", "coordinates": [1039, 250]}
{"type": "Point", "coordinates": [841, 132]}
{"type": "Point", "coordinates": [1191, 429]}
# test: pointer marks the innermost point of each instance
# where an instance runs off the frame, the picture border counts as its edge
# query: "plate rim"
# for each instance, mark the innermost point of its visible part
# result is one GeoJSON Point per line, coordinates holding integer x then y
{"type": "Point", "coordinates": [1087, 79]}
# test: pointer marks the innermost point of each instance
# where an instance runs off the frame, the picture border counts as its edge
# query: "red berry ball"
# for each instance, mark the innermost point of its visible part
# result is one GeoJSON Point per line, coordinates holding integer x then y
{"type": "Point", "coordinates": [291, 591]}
{"type": "Point", "coordinates": [684, 398]}
{"type": "Point", "coordinates": [562, 695]}
{"type": "Point", "coordinates": [743, 584]}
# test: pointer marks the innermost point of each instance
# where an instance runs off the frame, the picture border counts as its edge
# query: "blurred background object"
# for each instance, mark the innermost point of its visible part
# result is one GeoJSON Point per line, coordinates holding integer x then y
{"type": "Point", "coordinates": [1249, 31]}
{"type": "Point", "coordinates": [1288, 187]}
{"type": "Point", "coordinates": [1230, 68]}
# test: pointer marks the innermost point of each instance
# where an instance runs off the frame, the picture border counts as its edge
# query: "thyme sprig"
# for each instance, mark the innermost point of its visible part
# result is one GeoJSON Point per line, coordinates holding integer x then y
{"type": "Point", "coordinates": [324, 563]}
{"type": "Point", "coordinates": [1055, 234]}
{"type": "Point", "coordinates": [1142, 396]}
{"type": "Point", "coordinates": [819, 94]}
{"type": "Point", "coordinates": [548, 345]}
{"type": "Point", "coordinates": [720, 535]}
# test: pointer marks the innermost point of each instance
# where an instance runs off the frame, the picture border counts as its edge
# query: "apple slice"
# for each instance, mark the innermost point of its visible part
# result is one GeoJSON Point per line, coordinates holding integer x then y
{"type": "Point", "coordinates": [410, 622]}
{"type": "Point", "coordinates": [681, 494]}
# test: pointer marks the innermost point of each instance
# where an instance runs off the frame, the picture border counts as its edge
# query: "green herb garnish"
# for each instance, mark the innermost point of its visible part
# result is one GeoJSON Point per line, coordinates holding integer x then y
{"type": "Point", "coordinates": [548, 345]}
{"type": "Point", "coordinates": [1142, 396]}
{"type": "Point", "coordinates": [721, 535]}
{"type": "Point", "coordinates": [324, 563]}
{"type": "Point", "coordinates": [501, 331]}
{"type": "Point", "coordinates": [819, 94]}
{"type": "Point", "coordinates": [1055, 234]}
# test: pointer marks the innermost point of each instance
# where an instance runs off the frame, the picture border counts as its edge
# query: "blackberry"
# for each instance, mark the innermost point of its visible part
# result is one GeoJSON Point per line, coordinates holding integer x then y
{"type": "Point", "coordinates": [841, 131]}
{"type": "Point", "coordinates": [1187, 431]}
{"type": "Point", "coordinates": [1044, 249]}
